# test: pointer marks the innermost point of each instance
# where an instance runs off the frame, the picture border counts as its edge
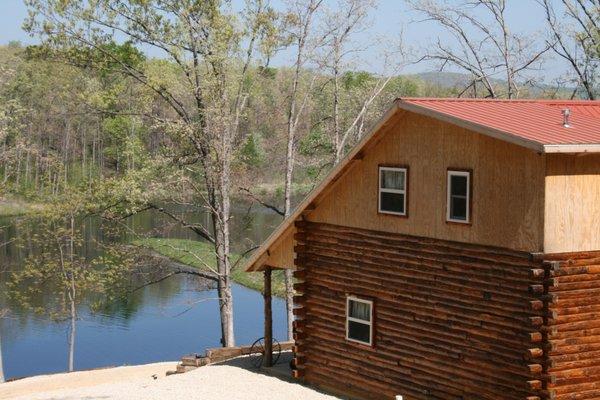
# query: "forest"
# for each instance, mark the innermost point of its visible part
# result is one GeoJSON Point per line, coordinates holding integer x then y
{"type": "Point", "coordinates": [127, 106]}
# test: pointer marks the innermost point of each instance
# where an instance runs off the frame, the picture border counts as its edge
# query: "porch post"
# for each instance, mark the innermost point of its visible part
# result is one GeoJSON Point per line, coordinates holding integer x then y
{"type": "Point", "coordinates": [268, 319]}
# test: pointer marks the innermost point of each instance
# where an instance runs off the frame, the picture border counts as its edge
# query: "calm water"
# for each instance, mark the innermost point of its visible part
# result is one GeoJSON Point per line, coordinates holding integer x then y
{"type": "Point", "coordinates": [159, 323]}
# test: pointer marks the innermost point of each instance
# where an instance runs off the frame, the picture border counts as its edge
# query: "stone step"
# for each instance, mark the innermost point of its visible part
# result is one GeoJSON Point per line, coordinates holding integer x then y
{"type": "Point", "coordinates": [194, 360]}
{"type": "Point", "coordinates": [182, 369]}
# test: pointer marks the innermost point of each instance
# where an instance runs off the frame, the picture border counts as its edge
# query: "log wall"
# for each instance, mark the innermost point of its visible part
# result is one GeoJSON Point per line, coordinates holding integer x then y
{"type": "Point", "coordinates": [572, 328]}
{"type": "Point", "coordinates": [451, 320]}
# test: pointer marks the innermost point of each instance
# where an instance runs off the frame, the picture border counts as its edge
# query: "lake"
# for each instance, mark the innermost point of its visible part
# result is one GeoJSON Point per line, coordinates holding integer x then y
{"type": "Point", "coordinates": [161, 322]}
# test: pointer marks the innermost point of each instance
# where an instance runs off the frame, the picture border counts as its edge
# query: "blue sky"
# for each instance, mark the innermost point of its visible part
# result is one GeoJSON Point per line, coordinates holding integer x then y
{"type": "Point", "coordinates": [391, 18]}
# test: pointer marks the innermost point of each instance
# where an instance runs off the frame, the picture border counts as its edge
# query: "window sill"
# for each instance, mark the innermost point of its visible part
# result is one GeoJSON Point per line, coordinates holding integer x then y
{"type": "Point", "coordinates": [460, 223]}
{"type": "Point", "coordinates": [361, 345]}
{"type": "Point", "coordinates": [392, 214]}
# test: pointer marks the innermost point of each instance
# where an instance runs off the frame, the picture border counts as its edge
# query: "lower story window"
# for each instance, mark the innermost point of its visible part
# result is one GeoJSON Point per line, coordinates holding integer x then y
{"type": "Point", "coordinates": [359, 320]}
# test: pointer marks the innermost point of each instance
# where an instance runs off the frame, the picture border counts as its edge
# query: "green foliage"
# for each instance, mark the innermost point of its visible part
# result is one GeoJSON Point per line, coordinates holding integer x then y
{"type": "Point", "coordinates": [268, 72]}
{"type": "Point", "coordinates": [252, 152]}
{"type": "Point", "coordinates": [313, 172]}
{"type": "Point", "coordinates": [126, 147]}
{"type": "Point", "coordinates": [201, 255]}
{"type": "Point", "coordinates": [315, 143]}
{"type": "Point", "coordinates": [404, 86]}
{"type": "Point", "coordinates": [55, 273]}
{"type": "Point", "coordinates": [356, 80]}
{"type": "Point", "coordinates": [107, 58]}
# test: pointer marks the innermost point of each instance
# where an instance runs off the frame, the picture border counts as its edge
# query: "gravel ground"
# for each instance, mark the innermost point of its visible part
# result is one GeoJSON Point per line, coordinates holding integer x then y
{"type": "Point", "coordinates": [215, 382]}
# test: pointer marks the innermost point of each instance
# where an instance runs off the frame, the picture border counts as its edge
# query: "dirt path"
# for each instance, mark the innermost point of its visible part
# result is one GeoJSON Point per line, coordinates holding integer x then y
{"type": "Point", "coordinates": [218, 382]}
{"type": "Point", "coordinates": [30, 387]}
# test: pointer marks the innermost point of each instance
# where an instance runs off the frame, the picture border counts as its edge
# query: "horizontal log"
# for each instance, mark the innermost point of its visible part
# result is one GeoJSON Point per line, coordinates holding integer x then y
{"type": "Point", "coordinates": [537, 273]}
{"type": "Point", "coordinates": [535, 384]}
{"type": "Point", "coordinates": [333, 276]}
{"type": "Point", "coordinates": [455, 332]}
{"type": "Point", "coordinates": [533, 353]}
{"type": "Point", "coordinates": [451, 320]}
{"type": "Point", "coordinates": [298, 374]}
{"type": "Point", "coordinates": [300, 287]}
{"type": "Point", "coordinates": [299, 311]}
{"type": "Point", "coordinates": [509, 273]}
{"type": "Point", "coordinates": [507, 255]}
{"type": "Point", "coordinates": [535, 368]}
{"type": "Point", "coordinates": [573, 363]}
{"type": "Point", "coordinates": [474, 359]}
{"type": "Point", "coordinates": [300, 275]}
{"type": "Point", "coordinates": [455, 272]}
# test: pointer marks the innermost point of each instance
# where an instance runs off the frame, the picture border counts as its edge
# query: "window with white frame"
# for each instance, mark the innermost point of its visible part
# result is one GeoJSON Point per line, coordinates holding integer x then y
{"type": "Point", "coordinates": [392, 190]}
{"type": "Point", "coordinates": [359, 320]}
{"type": "Point", "coordinates": [459, 196]}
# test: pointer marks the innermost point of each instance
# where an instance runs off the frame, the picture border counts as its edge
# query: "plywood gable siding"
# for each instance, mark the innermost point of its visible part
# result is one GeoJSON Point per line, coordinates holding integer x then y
{"type": "Point", "coordinates": [277, 251]}
{"type": "Point", "coordinates": [281, 254]}
{"type": "Point", "coordinates": [572, 205]}
{"type": "Point", "coordinates": [508, 186]}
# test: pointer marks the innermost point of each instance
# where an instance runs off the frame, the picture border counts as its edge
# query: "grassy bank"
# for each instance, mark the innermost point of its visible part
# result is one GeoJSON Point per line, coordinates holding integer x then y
{"type": "Point", "coordinates": [201, 255]}
{"type": "Point", "coordinates": [15, 207]}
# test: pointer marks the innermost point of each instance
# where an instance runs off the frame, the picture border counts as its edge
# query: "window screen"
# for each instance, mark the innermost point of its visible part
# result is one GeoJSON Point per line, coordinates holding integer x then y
{"type": "Point", "coordinates": [458, 196]}
{"type": "Point", "coordinates": [392, 190]}
{"type": "Point", "coordinates": [359, 320]}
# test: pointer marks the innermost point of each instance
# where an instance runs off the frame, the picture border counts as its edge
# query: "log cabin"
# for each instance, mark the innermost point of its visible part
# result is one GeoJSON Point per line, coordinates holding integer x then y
{"type": "Point", "coordinates": [453, 254]}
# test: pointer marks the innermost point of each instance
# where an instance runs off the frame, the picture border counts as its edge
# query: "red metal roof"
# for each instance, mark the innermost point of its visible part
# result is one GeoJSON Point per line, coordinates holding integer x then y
{"type": "Point", "coordinates": [528, 121]}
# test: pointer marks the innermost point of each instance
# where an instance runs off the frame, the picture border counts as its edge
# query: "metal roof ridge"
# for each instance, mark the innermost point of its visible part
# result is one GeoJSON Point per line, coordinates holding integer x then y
{"type": "Point", "coordinates": [592, 103]}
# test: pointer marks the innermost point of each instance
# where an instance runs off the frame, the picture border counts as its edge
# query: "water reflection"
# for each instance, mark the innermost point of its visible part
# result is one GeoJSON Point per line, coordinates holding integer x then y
{"type": "Point", "coordinates": [160, 322]}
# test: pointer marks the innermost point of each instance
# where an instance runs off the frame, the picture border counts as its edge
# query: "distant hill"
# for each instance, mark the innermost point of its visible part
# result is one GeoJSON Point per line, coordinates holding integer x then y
{"type": "Point", "coordinates": [445, 79]}
{"type": "Point", "coordinates": [458, 81]}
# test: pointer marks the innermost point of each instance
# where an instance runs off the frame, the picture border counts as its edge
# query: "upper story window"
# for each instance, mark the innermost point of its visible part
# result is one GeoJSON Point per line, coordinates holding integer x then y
{"type": "Point", "coordinates": [393, 185]}
{"type": "Point", "coordinates": [359, 320]}
{"type": "Point", "coordinates": [459, 197]}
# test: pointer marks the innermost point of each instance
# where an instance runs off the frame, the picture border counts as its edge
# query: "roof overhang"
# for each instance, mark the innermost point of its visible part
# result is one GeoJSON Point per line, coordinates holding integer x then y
{"type": "Point", "coordinates": [256, 261]}
{"type": "Point", "coordinates": [572, 148]}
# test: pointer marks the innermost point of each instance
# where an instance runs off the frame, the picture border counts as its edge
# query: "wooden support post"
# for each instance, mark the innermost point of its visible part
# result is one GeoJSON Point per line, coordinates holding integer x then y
{"type": "Point", "coordinates": [268, 360]}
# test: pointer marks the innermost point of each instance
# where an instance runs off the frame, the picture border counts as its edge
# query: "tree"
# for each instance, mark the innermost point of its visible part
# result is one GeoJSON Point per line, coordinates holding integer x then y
{"type": "Point", "coordinates": [2, 379]}
{"type": "Point", "coordinates": [349, 18]}
{"type": "Point", "coordinates": [3, 314]}
{"type": "Point", "coordinates": [210, 50]}
{"type": "Point", "coordinates": [55, 282]}
{"type": "Point", "coordinates": [483, 45]}
{"type": "Point", "coordinates": [351, 103]}
{"type": "Point", "coordinates": [575, 37]}
{"type": "Point", "coordinates": [300, 30]}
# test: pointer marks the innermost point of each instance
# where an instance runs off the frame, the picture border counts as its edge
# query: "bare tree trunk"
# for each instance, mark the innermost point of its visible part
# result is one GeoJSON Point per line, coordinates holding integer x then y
{"type": "Point", "coordinates": [220, 203]}
{"type": "Point", "coordinates": [66, 152]}
{"type": "Point", "coordinates": [294, 112]}
{"type": "Point", "coordinates": [2, 379]}
{"type": "Point", "coordinates": [289, 302]}
{"type": "Point", "coordinates": [224, 287]}
{"type": "Point", "coordinates": [72, 297]}
{"type": "Point", "coordinates": [289, 173]}
{"type": "Point", "coordinates": [18, 177]}
{"type": "Point", "coordinates": [72, 334]}
{"type": "Point", "coordinates": [339, 146]}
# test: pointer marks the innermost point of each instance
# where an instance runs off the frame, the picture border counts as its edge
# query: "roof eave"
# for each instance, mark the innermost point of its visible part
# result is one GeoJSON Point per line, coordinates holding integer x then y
{"type": "Point", "coordinates": [572, 148]}
{"type": "Point", "coordinates": [256, 261]}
